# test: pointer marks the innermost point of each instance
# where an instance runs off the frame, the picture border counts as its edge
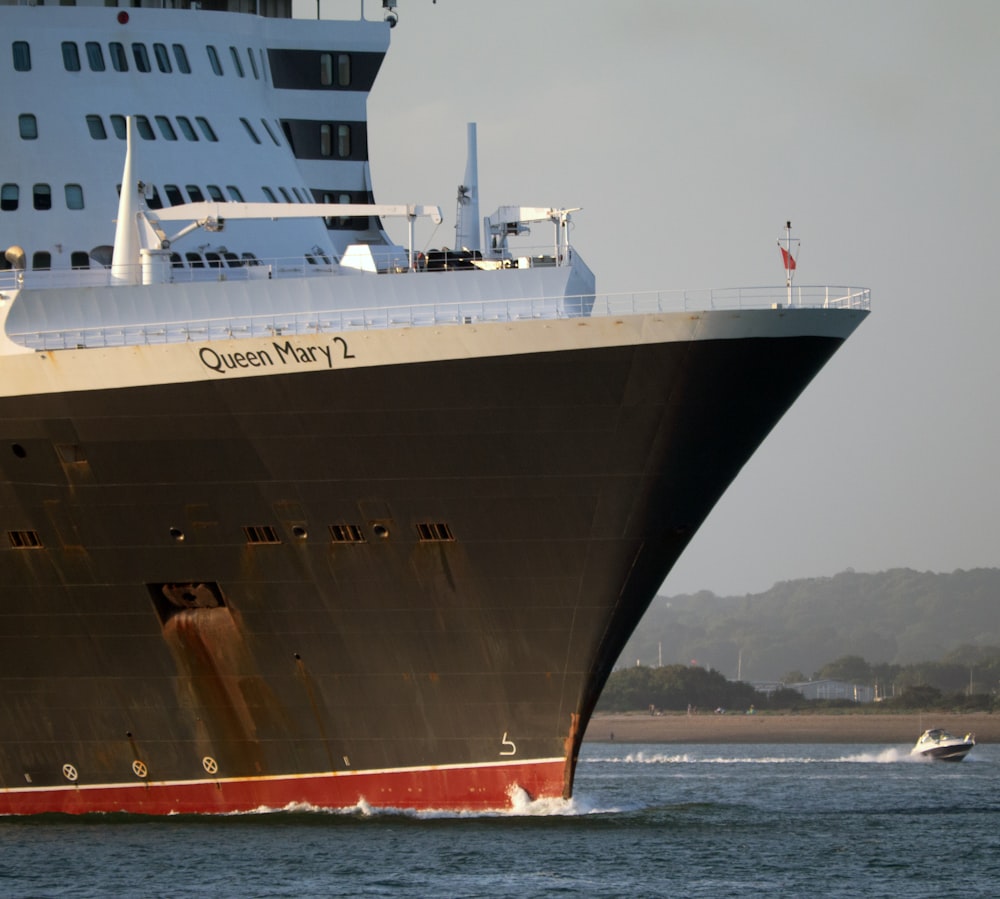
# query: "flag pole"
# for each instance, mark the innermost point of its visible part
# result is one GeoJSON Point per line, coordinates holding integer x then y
{"type": "Point", "coordinates": [788, 264]}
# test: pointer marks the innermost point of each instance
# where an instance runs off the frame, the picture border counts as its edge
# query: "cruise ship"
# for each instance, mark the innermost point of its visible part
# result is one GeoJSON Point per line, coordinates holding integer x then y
{"type": "Point", "coordinates": [291, 514]}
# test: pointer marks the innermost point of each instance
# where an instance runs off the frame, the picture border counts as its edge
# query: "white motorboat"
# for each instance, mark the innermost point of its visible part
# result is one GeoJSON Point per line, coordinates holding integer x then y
{"type": "Point", "coordinates": [942, 746]}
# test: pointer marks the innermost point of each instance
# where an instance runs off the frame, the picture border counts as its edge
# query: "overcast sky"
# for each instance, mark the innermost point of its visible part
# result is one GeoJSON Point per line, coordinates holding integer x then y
{"type": "Point", "coordinates": [690, 131]}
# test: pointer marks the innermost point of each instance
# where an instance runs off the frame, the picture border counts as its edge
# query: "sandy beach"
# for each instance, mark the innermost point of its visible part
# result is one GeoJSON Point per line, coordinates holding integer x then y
{"type": "Point", "coordinates": [707, 727]}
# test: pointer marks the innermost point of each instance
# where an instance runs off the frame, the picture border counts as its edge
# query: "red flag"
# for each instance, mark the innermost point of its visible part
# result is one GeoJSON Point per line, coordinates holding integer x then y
{"type": "Point", "coordinates": [787, 258]}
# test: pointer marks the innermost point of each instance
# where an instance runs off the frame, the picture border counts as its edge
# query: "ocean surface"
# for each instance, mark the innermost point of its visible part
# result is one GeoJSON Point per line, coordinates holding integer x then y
{"type": "Point", "coordinates": [684, 821]}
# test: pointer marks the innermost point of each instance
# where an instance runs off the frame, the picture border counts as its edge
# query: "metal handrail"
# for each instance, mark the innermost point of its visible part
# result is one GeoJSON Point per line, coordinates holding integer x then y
{"type": "Point", "coordinates": [437, 314]}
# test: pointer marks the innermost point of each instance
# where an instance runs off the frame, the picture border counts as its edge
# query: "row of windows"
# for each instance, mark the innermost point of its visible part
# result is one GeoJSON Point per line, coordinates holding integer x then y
{"type": "Point", "coordinates": [119, 55]}
{"type": "Point", "coordinates": [41, 196]}
{"type": "Point", "coordinates": [329, 69]}
{"type": "Point", "coordinates": [79, 260]}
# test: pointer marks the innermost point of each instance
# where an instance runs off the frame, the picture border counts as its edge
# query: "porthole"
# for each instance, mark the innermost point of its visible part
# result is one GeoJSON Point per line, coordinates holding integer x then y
{"type": "Point", "coordinates": [380, 531]}
{"type": "Point", "coordinates": [177, 535]}
{"type": "Point", "coordinates": [18, 450]}
{"type": "Point", "coordinates": [299, 532]}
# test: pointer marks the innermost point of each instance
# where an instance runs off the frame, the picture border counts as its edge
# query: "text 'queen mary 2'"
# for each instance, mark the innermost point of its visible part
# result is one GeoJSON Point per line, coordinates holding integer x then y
{"type": "Point", "coordinates": [293, 514]}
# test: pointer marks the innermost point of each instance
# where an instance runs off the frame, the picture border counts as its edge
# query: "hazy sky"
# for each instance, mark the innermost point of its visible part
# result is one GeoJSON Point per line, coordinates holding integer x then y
{"type": "Point", "coordinates": [689, 132]}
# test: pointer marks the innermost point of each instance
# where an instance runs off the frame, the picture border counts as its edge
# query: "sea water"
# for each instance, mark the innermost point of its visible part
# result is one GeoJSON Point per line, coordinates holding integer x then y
{"type": "Point", "coordinates": [684, 821]}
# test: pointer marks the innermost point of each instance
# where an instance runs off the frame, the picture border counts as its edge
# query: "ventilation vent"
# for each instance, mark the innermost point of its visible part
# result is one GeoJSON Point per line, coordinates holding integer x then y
{"type": "Point", "coordinates": [434, 532]}
{"type": "Point", "coordinates": [261, 533]}
{"type": "Point", "coordinates": [25, 539]}
{"type": "Point", "coordinates": [346, 533]}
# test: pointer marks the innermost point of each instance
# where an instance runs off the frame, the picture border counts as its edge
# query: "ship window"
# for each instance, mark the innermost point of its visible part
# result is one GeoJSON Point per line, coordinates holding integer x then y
{"type": "Point", "coordinates": [141, 56]}
{"type": "Point", "coordinates": [194, 260]}
{"type": "Point", "coordinates": [95, 56]}
{"type": "Point", "coordinates": [187, 129]}
{"type": "Point", "coordinates": [346, 533]}
{"type": "Point", "coordinates": [79, 259]}
{"type": "Point", "coordinates": [232, 260]}
{"type": "Point", "coordinates": [261, 533]}
{"type": "Point", "coordinates": [166, 129]}
{"type": "Point", "coordinates": [28, 126]}
{"type": "Point", "coordinates": [74, 196]}
{"type": "Point", "coordinates": [213, 58]}
{"type": "Point", "coordinates": [215, 192]}
{"type": "Point", "coordinates": [326, 69]}
{"type": "Point", "coordinates": [343, 141]}
{"type": "Point", "coordinates": [71, 56]}
{"type": "Point", "coordinates": [236, 61]}
{"type": "Point", "coordinates": [285, 194]}
{"type": "Point", "coordinates": [249, 259]}
{"type": "Point", "coordinates": [9, 195]}
{"type": "Point", "coordinates": [42, 196]}
{"type": "Point", "coordinates": [434, 532]}
{"type": "Point", "coordinates": [118, 125]}
{"type": "Point", "coordinates": [325, 140]}
{"type": "Point", "coordinates": [144, 128]}
{"type": "Point", "coordinates": [176, 261]}
{"type": "Point", "coordinates": [194, 192]}
{"type": "Point", "coordinates": [234, 193]}
{"type": "Point", "coordinates": [253, 64]}
{"type": "Point", "coordinates": [162, 58]}
{"type": "Point", "coordinates": [119, 61]}
{"type": "Point", "coordinates": [180, 54]}
{"type": "Point", "coordinates": [95, 125]}
{"type": "Point", "coordinates": [270, 133]}
{"type": "Point", "coordinates": [206, 128]}
{"type": "Point", "coordinates": [250, 131]}
{"type": "Point", "coordinates": [41, 261]}
{"type": "Point", "coordinates": [22, 56]}
{"type": "Point", "coordinates": [298, 196]}
{"type": "Point", "coordinates": [269, 195]}
{"type": "Point", "coordinates": [343, 69]}
{"type": "Point", "coordinates": [24, 539]}
{"type": "Point", "coordinates": [214, 260]}
{"type": "Point", "coordinates": [153, 201]}
{"type": "Point", "coordinates": [174, 196]}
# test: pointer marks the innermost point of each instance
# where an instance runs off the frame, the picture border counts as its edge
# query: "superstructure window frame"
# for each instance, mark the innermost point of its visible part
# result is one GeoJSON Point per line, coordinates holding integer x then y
{"type": "Point", "coordinates": [74, 196]}
{"type": "Point", "coordinates": [213, 59]}
{"type": "Point", "coordinates": [10, 197]}
{"type": "Point", "coordinates": [71, 56]}
{"type": "Point", "coordinates": [21, 56]}
{"type": "Point", "coordinates": [41, 196]}
{"type": "Point", "coordinates": [181, 57]}
{"type": "Point", "coordinates": [162, 56]}
{"type": "Point", "coordinates": [95, 56]}
{"type": "Point", "coordinates": [119, 58]}
{"type": "Point", "coordinates": [95, 125]}
{"type": "Point", "coordinates": [237, 62]}
{"type": "Point", "coordinates": [27, 126]}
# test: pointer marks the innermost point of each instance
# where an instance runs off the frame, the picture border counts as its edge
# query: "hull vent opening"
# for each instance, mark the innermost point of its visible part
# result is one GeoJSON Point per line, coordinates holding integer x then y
{"type": "Point", "coordinates": [346, 533]}
{"type": "Point", "coordinates": [434, 532]}
{"type": "Point", "coordinates": [261, 533]}
{"type": "Point", "coordinates": [25, 539]}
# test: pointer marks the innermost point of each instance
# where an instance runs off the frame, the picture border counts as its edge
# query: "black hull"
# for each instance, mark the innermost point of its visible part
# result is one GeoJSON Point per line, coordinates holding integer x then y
{"type": "Point", "coordinates": [387, 567]}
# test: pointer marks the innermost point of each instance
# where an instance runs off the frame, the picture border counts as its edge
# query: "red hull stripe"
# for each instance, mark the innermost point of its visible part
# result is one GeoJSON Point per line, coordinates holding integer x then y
{"type": "Point", "coordinates": [447, 787]}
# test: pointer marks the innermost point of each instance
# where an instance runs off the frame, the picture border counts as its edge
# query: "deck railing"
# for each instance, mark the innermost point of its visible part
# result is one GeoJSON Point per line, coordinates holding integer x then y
{"type": "Point", "coordinates": [438, 314]}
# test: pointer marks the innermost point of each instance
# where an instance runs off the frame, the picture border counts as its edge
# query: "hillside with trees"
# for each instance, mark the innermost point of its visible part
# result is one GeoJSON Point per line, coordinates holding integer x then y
{"type": "Point", "coordinates": [899, 619]}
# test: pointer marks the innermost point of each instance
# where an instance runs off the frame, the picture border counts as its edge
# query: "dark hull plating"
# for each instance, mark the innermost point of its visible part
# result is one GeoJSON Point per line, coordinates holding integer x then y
{"type": "Point", "coordinates": [403, 584]}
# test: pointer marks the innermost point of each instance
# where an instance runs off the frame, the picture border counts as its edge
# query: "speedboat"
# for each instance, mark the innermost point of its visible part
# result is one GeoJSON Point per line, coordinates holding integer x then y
{"type": "Point", "coordinates": [942, 746]}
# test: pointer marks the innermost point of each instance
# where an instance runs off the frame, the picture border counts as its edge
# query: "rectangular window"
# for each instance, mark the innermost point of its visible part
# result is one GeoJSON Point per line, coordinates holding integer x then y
{"type": "Point", "coordinates": [95, 125]}
{"type": "Point", "coordinates": [119, 61]}
{"type": "Point", "coordinates": [180, 54]}
{"type": "Point", "coordinates": [187, 129]}
{"type": "Point", "coordinates": [206, 128]}
{"type": "Point", "coordinates": [326, 69]}
{"type": "Point", "coordinates": [234, 193]}
{"type": "Point", "coordinates": [41, 261]}
{"type": "Point", "coordinates": [141, 56]}
{"type": "Point", "coordinates": [9, 195]}
{"type": "Point", "coordinates": [166, 128]}
{"type": "Point", "coordinates": [118, 126]}
{"type": "Point", "coordinates": [174, 195]}
{"type": "Point", "coordinates": [71, 56]}
{"type": "Point", "coordinates": [162, 58]}
{"type": "Point", "coordinates": [78, 260]}
{"type": "Point", "coordinates": [269, 195]}
{"type": "Point", "coordinates": [213, 58]}
{"type": "Point", "coordinates": [343, 70]}
{"type": "Point", "coordinates": [215, 192]}
{"type": "Point", "coordinates": [194, 192]}
{"type": "Point", "coordinates": [28, 126]}
{"type": "Point", "coordinates": [236, 61]}
{"type": "Point", "coordinates": [22, 56]}
{"type": "Point", "coordinates": [250, 131]}
{"type": "Point", "coordinates": [325, 140]}
{"type": "Point", "coordinates": [144, 128]}
{"type": "Point", "coordinates": [74, 196]}
{"type": "Point", "coordinates": [253, 64]}
{"type": "Point", "coordinates": [95, 56]}
{"type": "Point", "coordinates": [343, 141]}
{"type": "Point", "coordinates": [42, 197]}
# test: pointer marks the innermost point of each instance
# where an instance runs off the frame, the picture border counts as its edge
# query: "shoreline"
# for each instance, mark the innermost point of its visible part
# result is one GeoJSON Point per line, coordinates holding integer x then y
{"type": "Point", "coordinates": [767, 727]}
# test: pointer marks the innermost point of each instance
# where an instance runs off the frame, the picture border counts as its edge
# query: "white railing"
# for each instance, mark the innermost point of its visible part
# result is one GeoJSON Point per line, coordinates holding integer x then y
{"type": "Point", "coordinates": [458, 313]}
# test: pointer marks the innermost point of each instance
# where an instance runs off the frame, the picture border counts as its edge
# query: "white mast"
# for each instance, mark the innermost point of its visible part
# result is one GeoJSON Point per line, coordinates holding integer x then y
{"type": "Point", "coordinates": [124, 261]}
{"type": "Point", "coordinates": [467, 217]}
